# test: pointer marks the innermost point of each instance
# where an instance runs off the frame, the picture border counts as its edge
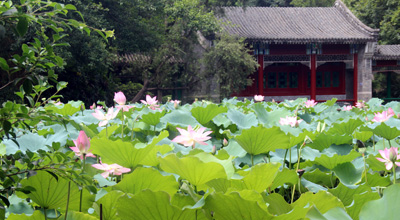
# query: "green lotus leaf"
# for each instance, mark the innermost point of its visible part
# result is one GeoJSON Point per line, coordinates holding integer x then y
{"type": "Point", "coordinates": [27, 142]}
{"type": "Point", "coordinates": [332, 214]}
{"type": "Point", "coordinates": [332, 162]}
{"type": "Point", "coordinates": [323, 141]}
{"type": "Point", "coordinates": [123, 153]}
{"type": "Point", "coordinates": [151, 159]}
{"type": "Point", "coordinates": [259, 140]}
{"type": "Point", "coordinates": [376, 179]}
{"type": "Point", "coordinates": [321, 178]}
{"type": "Point", "coordinates": [359, 201]}
{"type": "Point", "coordinates": [234, 149]}
{"type": "Point", "coordinates": [80, 216]}
{"type": "Point", "coordinates": [261, 176]}
{"type": "Point", "coordinates": [37, 215]}
{"type": "Point", "coordinates": [324, 201]}
{"type": "Point", "coordinates": [233, 206]}
{"type": "Point", "coordinates": [147, 178]}
{"type": "Point", "coordinates": [222, 120]}
{"type": "Point", "coordinates": [109, 205]}
{"type": "Point", "coordinates": [313, 187]}
{"type": "Point", "coordinates": [348, 174]}
{"type": "Point", "coordinates": [227, 164]}
{"type": "Point", "coordinates": [285, 176]}
{"type": "Point", "coordinates": [383, 208]}
{"type": "Point", "coordinates": [204, 115]}
{"type": "Point", "coordinates": [269, 118]}
{"type": "Point", "coordinates": [277, 204]}
{"type": "Point", "coordinates": [64, 110]}
{"type": "Point", "coordinates": [242, 121]}
{"type": "Point", "coordinates": [345, 128]}
{"type": "Point", "coordinates": [192, 169]}
{"type": "Point", "coordinates": [346, 193]}
{"type": "Point", "coordinates": [363, 135]}
{"type": "Point", "coordinates": [181, 200]}
{"type": "Point", "coordinates": [219, 185]}
{"type": "Point", "coordinates": [383, 130]}
{"type": "Point", "coordinates": [153, 118]}
{"type": "Point", "coordinates": [179, 118]}
{"type": "Point", "coordinates": [152, 205]}
{"type": "Point", "coordinates": [51, 194]}
{"type": "Point", "coordinates": [375, 164]}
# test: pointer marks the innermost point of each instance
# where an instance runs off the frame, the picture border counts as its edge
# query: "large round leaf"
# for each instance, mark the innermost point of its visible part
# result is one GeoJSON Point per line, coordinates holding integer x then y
{"type": "Point", "coordinates": [204, 115]}
{"type": "Point", "coordinates": [152, 205]}
{"type": "Point", "coordinates": [192, 169]}
{"type": "Point", "coordinates": [385, 208]}
{"type": "Point", "coordinates": [242, 121]}
{"type": "Point", "coordinates": [259, 140]}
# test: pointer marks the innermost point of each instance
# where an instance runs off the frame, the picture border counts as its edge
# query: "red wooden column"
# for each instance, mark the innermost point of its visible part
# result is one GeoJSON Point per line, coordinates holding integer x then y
{"type": "Point", "coordinates": [355, 78]}
{"type": "Point", "coordinates": [313, 94]}
{"type": "Point", "coordinates": [260, 74]}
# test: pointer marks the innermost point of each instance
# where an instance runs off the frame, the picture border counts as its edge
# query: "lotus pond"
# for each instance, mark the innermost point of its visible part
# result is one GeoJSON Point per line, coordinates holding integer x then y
{"type": "Point", "coordinates": [231, 160]}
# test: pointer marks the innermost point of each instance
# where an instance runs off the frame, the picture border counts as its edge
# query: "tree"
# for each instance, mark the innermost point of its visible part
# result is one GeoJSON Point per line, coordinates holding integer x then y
{"type": "Point", "coordinates": [230, 61]}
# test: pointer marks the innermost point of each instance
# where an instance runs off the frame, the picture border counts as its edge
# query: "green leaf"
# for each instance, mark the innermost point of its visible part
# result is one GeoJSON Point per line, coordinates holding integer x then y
{"type": "Point", "coordinates": [332, 162]}
{"type": "Point", "coordinates": [78, 216]}
{"type": "Point", "coordinates": [22, 26]}
{"type": "Point", "coordinates": [28, 142]}
{"type": "Point", "coordinates": [192, 169]}
{"type": "Point", "coordinates": [384, 208]}
{"type": "Point", "coordinates": [147, 178]}
{"type": "Point", "coordinates": [109, 204]}
{"type": "Point", "coordinates": [243, 121]}
{"type": "Point", "coordinates": [323, 141]}
{"type": "Point", "coordinates": [204, 115]}
{"type": "Point", "coordinates": [152, 205]}
{"type": "Point", "coordinates": [386, 131]}
{"type": "Point", "coordinates": [343, 128]}
{"type": "Point", "coordinates": [323, 200]}
{"type": "Point", "coordinates": [37, 215]}
{"type": "Point", "coordinates": [50, 193]}
{"type": "Point", "coordinates": [153, 118]}
{"type": "Point", "coordinates": [346, 193]}
{"type": "Point", "coordinates": [376, 179]}
{"type": "Point", "coordinates": [233, 206]}
{"type": "Point", "coordinates": [259, 140]}
{"type": "Point", "coordinates": [260, 177]}
{"type": "Point", "coordinates": [285, 176]}
{"type": "Point", "coordinates": [375, 164]}
{"type": "Point", "coordinates": [277, 204]}
{"type": "Point", "coordinates": [359, 201]}
{"type": "Point", "coordinates": [332, 214]}
{"type": "Point", "coordinates": [151, 159]}
{"type": "Point", "coordinates": [348, 174]}
{"type": "Point", "coordinates": [363, 135]}
{"type": "Point", "coordinates": [179, 118]}
{"type": "Point", "coordinates": [64, 110]}
{"type": "Point", "coordinates": [3, 64]}
{"type": "Point", "coordinates": [227, 164]}
{"type": "Point", "coordinates": [269, 118]}
{"type": "Point", "coordinates": [123, 153]}
{"type": "Point", "coordinates": [321, 178]}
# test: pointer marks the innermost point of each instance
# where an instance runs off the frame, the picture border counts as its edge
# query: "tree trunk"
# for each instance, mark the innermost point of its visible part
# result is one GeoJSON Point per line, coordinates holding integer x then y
{"type": "Point", "coordinates": [140, 94]}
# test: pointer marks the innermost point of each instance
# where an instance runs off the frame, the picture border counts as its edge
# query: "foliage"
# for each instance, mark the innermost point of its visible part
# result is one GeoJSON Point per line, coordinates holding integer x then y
{"type": "Point", "coordinates": [317, 170]}
{"type": "Point", "coordinates": [380, 14]}
{"type": "Point", "coordinates": [230, 62]}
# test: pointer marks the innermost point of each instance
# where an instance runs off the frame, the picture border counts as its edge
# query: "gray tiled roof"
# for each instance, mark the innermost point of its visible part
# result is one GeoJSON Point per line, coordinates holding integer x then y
{"type": "Point", "coordinates": [387, 52]}
{"type": "Point", "coordinates": [298, 25]}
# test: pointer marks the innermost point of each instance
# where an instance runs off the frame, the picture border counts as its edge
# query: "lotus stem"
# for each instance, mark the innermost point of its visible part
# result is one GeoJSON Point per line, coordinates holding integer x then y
{"type": "Point", "coordinates": [373, 140]}
{"type": "Point", "coordinates": [365, 168]}
{"type": "Point", "coordinates": [394, 174]}
{"type": "Point", "coordinates": [290, 158]}
{"type": "Point", "coordinates": [284, 159]}
{"type": "Point", "coordinates": [81, 193]}
{"type": "Point", "coordinates": [252, 160]}
{"type": "Point", "coordinates": [390, 145]}
{"type": "Point", "coordinates": [66, 209]}
{"type": "Point", "coordinates": [294, 188]}
{"type": "Point", "coordinates": [122, 129]}
{"type": "Point", "coordinates": [45, 213]}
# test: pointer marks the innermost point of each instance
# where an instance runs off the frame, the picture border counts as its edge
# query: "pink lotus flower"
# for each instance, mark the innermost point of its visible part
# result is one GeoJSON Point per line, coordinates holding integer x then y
{"type": "Point", "coordinates": [176, 103]}
{"type": "Point", "coordinates": [151, 102]}
{"type": "Point", "coordinates": [347, 108]}
{"type": "Point", "coordinates": [82, 145]}
{"type": "Point", "coordinates": [113, 169]}
{"type": "Point", "coordinates": [258, 98]}
{"type": "Point", "coordinates": [384, 116]}
{"type": "Point", "coordinates": [360, 104]}
{"type": "Point", "coordinates": [290, 120]}
{"type": "Point", "coordinates": [310, 103]}
{"type": "Point", "coordinates": [107, 117]}
{"type": "Point", "coordinates": [225, 142]}
{"type": "Point", "coordinates": [390, 155]}
{"type": "Point", "coordinates": [95, 107]}
{"type": "Point", "coordinates": [190, 137]}
{"type": "Point", "coordinates": [120, 99]}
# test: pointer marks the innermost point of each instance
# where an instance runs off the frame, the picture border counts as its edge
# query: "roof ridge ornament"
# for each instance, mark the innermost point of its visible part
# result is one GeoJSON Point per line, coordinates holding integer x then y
{"type": "Point", "coordinates": [353, 19]}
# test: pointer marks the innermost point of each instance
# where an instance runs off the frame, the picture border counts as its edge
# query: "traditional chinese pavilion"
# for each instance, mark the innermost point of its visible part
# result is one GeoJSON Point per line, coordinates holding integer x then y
{"type": "Point", "coordinates": [319, 53]}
